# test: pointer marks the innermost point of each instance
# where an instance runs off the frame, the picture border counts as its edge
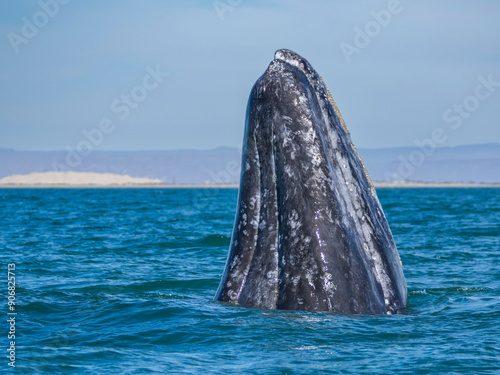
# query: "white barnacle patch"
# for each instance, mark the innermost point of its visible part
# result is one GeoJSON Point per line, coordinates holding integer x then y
{"type": "Point", "coordinates": [235, 261]}
{"type": "Point", "coordinates": [287, 120]}
{"type": "Point", "coordinates": [232, 295]}
{"type": "Point", "coordinates": [262, 225]}
{"type": "Point", "coordinates": [272, 275]}
{"type": "Point", "coordinates": [288, 171]}
{"type": "Point", "coordinates": [302, 99]}
{"type": "Point", "coordinates": [253, 200]}
{"type": "Point", "coordinates": [254, 223]}
{"type": "Point", "coordinates": [309, 278]}
{"type": "Point", "coordinates": [228, 284]}
{"type": "Point", "coordinates": [275, 67]}
{"type": "Point", "coordinates": [295, 280]}
{"type": "Point", "coordinates": [379, 270]}
{"type": "Point", "coordinates": [328, 284]}
{"type": "Point", "coordinates": [247, 166]}
{"type": "Point", "coordinates": [316, 160]}
{"type": "Point", "coordinates": [309, 138]}
{"type": "Point", "coordinates": [294, 223]}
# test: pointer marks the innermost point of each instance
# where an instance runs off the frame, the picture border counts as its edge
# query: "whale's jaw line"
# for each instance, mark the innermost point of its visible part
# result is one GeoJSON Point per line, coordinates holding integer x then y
{"type": "Point", "coordinates": [309, 232]}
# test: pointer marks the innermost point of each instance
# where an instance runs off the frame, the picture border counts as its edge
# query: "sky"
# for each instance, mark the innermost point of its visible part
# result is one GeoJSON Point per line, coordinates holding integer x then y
{"type": "Point", "coordinates": [159, 75]}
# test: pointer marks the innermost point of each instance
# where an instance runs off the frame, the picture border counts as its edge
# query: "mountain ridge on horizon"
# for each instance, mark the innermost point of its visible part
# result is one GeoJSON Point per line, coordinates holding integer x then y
{"type": "Point", "coordinates": [482, 145]}
{"type": "Point", "coordinates": [461, 163]}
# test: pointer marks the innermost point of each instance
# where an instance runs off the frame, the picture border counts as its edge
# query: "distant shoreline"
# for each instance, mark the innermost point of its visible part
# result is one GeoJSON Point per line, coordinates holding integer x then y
{"type": "Point", "coordinates": [377, 184]}
{"type": "Point", "coordinates": [421, 184]}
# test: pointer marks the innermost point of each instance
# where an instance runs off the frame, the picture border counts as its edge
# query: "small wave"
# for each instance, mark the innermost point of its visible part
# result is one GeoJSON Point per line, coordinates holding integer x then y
{"type": "Point", "coordinates": [148, 287]}
{"type": "Point", "coordinates": [419, 292]}
{"type": "Point", "coordinates": [455, 289]}
{"type": "Point", "coordinates": [215, 240]}
{"type": "Point", "coordinates": [171, 296]}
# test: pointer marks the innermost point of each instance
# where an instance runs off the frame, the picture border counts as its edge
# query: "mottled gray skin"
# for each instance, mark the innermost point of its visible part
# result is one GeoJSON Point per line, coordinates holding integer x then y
{"type": "Point", "coordinates": [309, 232]}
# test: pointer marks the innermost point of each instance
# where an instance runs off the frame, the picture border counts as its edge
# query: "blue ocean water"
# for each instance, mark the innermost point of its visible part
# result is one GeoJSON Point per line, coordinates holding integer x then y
{"type": "Point", "coordinates": [121, 281]}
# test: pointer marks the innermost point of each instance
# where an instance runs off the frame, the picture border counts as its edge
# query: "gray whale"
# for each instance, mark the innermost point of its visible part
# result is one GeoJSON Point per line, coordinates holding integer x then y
{"type": "Point", "coordinates": [309, 232]}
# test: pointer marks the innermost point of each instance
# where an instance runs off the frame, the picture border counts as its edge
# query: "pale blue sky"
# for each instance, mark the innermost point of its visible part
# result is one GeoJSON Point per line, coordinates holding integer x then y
{"type": "Point", "coordinates": [66, 78]}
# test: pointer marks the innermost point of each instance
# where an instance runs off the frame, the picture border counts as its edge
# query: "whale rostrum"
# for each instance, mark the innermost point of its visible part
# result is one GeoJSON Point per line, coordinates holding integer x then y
{"type": "Point", "coordinates": [309, 233]}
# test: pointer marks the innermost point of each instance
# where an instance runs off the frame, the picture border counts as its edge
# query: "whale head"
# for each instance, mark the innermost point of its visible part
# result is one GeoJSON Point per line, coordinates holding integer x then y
{"type": "Point", "coordinates": [309, 233]}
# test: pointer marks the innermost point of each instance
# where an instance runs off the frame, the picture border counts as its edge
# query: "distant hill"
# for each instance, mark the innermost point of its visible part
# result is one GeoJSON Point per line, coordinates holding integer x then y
{"type": "Point", "coordinates": [471, 163]}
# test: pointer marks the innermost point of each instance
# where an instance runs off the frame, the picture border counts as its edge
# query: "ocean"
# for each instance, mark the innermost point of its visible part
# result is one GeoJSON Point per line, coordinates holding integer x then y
{"type": "Point", "coordinates": [121, 281]}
